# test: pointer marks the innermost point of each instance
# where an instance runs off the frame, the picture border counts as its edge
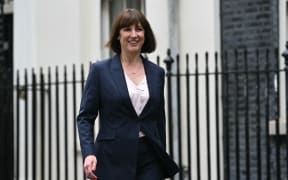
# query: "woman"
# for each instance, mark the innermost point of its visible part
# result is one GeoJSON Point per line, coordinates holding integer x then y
{"type": "Point", "coordinates": [127, 92]}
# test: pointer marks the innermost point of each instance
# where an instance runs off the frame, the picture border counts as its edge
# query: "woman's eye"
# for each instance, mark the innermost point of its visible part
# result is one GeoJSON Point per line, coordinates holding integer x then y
{"type": "Point", "coordinates": [126, 29]}
{"type": "Point", "coordinates": [139, 29]}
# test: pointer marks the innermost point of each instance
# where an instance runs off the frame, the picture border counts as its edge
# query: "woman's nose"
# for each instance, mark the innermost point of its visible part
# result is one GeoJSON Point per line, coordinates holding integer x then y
{"type": "Point", "coordinates": [133, 33]}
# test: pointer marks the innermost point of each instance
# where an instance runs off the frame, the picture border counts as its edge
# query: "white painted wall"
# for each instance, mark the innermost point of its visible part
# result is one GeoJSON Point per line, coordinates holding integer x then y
{"type": "Point", "coordinates": [24, 56]}
{"type": "Point", "coordinates": [90, 30]}
{"type": "Point", "coordinates": [199, 25]}
{"type": "Point", "coordinates": [47, 33]}
{"type": "Point", "coordinates": [57, 32]}
{"type": "Point", "coordinates": [157, 15]}
{"type": "Point", "coordinates": [199, 33]}
{"type": "Point", "coordinates": [24, 40]}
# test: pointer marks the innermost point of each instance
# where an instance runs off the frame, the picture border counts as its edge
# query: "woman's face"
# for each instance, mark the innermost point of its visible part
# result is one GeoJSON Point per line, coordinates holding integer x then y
{"type": "Point", "coordinates": [132, 38]}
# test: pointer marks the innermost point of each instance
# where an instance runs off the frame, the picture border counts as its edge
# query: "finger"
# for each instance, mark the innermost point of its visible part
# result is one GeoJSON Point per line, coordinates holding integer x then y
{"type": "Point", "coordinates": [86, 167]}
{"type": "Point", "coordinates": [93, 165]}
{"type": "Point", "coordinates": [88, 170]}
{"type": "Point", "coordinates": [92, 176]}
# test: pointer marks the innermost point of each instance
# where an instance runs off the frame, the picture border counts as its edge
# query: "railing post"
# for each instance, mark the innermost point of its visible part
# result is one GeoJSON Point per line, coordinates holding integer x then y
{"type": "Point", "coordinates": [285, 54]}
{"type": "Point", "coordinates": [168, 61]}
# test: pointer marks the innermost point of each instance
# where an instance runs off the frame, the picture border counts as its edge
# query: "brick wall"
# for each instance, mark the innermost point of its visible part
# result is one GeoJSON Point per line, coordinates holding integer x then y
{"type": "Point", "coordinates": [248, 24]}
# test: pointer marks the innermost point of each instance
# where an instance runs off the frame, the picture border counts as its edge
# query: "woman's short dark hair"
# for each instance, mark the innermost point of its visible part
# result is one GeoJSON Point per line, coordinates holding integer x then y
{"type": "Point", "coordinates": [127, 18]}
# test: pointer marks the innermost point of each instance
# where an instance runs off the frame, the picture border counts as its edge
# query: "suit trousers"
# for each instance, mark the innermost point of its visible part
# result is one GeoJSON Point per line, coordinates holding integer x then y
{"type": "Point", "coordinates": [148, 165]}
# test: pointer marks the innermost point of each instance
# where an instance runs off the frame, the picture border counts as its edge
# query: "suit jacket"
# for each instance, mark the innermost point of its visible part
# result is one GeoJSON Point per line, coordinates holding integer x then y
{"type": "Point", "coordinates": [115, 146]}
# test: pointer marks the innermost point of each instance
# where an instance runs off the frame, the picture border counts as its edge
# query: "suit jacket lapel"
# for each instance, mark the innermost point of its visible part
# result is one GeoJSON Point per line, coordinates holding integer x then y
{"type": "Point", "coordinates": [117, 74]}
{"type": "Point", "coordinates": [150, 82]}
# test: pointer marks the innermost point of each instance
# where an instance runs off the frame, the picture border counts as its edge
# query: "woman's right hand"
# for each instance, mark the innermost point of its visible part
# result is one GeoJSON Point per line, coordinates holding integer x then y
{"type": "Point", "coordinates": [90, 166]}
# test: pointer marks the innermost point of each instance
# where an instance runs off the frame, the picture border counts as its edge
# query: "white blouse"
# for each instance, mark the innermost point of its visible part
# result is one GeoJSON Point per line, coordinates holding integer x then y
{"type": "Point", "coordinates": [139, 95]}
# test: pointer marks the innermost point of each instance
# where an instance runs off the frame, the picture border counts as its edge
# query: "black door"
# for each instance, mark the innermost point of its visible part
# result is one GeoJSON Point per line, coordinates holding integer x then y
{"type": "Point", "coordinates": [6, 96]}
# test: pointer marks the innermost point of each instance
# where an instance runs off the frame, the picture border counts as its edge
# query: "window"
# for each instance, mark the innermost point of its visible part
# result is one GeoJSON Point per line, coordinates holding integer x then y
{"type": "Point", "coordinates": [117, 6]}
{"type": "Point", "coordinates": [110, 10]}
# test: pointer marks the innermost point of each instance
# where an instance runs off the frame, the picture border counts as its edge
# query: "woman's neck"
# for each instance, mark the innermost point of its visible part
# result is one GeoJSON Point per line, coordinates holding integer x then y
{"type": "Point", "coordinates": [130, 58]}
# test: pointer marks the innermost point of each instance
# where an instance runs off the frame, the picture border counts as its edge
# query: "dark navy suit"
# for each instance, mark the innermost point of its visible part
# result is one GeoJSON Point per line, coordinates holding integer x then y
{"type": "Point", "coordinates": [116, 144]}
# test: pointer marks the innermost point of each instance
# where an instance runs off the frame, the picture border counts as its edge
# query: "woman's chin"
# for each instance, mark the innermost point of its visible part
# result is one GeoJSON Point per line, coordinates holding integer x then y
{"type": "Point", "coordinates": [134, 50]}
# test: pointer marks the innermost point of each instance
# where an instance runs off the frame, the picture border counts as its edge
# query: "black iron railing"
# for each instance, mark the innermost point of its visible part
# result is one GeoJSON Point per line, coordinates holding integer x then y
{"type": "Point", "coordinates": [219, 118]}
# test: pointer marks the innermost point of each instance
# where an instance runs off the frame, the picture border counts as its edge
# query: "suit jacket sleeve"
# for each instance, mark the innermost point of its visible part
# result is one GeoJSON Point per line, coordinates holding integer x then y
{"type": "Point", "coordinates": [88, 112]}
